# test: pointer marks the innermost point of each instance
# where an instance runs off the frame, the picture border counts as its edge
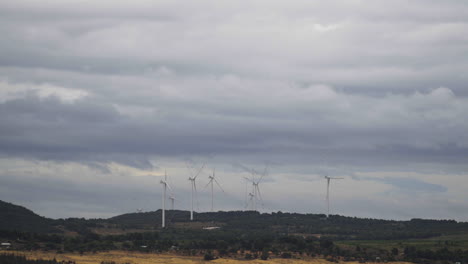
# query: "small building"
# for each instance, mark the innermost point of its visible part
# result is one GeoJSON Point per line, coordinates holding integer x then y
{"type": "Point", "coordinates": [174, 248]}
{"type": "Point", "coordinates": [211, 228]}
{"type": "Point", "coordinates": [5, 245]}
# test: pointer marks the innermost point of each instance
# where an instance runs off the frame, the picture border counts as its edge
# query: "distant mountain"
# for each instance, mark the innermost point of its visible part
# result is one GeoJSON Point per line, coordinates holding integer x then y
{"type": "Point", "coordinates": [18, 218]}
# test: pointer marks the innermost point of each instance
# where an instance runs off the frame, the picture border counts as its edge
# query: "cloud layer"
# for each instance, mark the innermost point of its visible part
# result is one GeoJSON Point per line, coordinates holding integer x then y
{"type": "Point", "coordinates": [342, 88]}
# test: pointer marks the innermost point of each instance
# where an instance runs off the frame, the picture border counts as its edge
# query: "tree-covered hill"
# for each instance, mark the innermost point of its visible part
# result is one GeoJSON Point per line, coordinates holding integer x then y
{"type": "Point", "coordinates": [337, 227]}
{"type": "Point", "coordinates": [246, 234]}
{"type": "Point", "coordinates": [15, 217]}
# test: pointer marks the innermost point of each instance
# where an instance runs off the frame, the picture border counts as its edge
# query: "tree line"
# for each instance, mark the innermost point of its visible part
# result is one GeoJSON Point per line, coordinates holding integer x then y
{"type": "Point", "coordinates": [230, 243]}
{"type": "Point", "coordinates": [19, 259]}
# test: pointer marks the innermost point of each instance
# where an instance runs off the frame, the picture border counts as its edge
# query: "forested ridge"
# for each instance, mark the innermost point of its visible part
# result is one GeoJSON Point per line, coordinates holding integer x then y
{"type": "Point", "coordinates": [243, 234]}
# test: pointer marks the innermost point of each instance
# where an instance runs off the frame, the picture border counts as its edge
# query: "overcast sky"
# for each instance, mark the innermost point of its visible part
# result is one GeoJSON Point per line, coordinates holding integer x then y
{"type": "Point", "coordinates": [98, 98]}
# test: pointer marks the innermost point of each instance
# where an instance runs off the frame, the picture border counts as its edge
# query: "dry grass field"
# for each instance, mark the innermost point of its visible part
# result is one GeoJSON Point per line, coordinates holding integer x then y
{"type": "Point", "coordinates": [121, 257]}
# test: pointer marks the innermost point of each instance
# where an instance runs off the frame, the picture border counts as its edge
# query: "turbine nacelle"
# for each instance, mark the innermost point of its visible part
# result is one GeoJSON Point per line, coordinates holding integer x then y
{"type": "Point", "coordinates": [332, 178]}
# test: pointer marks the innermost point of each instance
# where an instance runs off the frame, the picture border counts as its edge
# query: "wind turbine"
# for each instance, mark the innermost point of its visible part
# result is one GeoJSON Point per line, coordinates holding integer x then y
{"type": "Point", "coordinates": [194, 187]}
{"type": "Point", "coordinates": [213, 179]}
{"type": "Point", "coordinates": [328, 192]}
{"type": "Point", "coordinates": [254, 197]}
{"type": "Point", "coordinates": [165, 186]}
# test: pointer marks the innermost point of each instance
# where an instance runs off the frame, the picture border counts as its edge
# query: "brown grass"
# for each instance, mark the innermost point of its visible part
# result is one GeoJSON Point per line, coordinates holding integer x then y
{"type": "Point", "coordinates": [121, 257]}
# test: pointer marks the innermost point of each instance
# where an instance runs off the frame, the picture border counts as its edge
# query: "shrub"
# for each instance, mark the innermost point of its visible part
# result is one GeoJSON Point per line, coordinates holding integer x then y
{"type": "Point", "coordinates": [264, 255]}
{"type": "Point", "coordinates": [208, 256]}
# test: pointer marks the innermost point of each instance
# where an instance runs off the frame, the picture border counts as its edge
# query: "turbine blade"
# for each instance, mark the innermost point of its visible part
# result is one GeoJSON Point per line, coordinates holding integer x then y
{"type": "Point", "coordinates": [248, 179]}
{"type": "Point", "coordinates": [217, 183]}
{"type": "Point", "coordinates": [261, 177]}
{"type": "Point", "coordinates": [168, 186]}
{"type": "Point", "coordinates": [199, 171]}
{"type": "Point", "coordinates": [208, 183]}
{"type": "Point", "coordinates": [259, 193]}
{"type": "Point", "coordinates": [196, 195]}
{"type": "Point", "coordinates": [189, 168]}
{"type": "Point", "coordinates": [265, 172]}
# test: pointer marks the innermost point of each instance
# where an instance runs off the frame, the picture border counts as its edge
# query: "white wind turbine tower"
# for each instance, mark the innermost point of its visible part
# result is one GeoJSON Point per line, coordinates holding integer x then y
{"type": "Point", "coordinates": [213, 179]}
{"type": "Point", "coordinates": [256, 195]}
{"type": "Point", "coordinates": [328, 192]}
{"type": "Point", "coordinates": [165, 186]}
{"type": "Point", "coordinates": [194, 187]}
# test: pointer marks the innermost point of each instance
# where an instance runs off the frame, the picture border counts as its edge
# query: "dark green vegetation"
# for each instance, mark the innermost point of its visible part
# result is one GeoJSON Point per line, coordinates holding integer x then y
{"type": "Point", "coordinates": [14, 217]}
{"type": "Point", "coordinates": [15, 259]}
{"type": "Point", "coordinates": [244, 235]}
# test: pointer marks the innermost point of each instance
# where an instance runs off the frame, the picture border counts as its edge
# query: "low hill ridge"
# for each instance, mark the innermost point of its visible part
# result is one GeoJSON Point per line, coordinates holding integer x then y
{"type": "Point", "coordinates": [19, 218]}
{"type": "Point", "coordinates": [14, 217]}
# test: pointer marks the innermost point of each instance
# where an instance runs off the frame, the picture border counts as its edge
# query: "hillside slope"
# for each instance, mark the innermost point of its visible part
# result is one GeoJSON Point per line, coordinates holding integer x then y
{"type": "Point", "coordinates": [18, 218]}
{"type": "Point", "coordinates": [14, 217]}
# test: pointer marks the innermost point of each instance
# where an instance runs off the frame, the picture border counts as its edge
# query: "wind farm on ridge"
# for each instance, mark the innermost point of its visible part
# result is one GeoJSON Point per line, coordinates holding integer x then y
{"type": "Point", "coordinates": [253, 198]}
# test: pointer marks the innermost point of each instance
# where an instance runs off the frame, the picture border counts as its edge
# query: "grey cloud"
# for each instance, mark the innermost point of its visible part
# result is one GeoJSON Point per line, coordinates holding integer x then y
{"type": "Point", "coordinates": [377, 56]}
{"type": "Point", "coordinates": [48, 128]}
{"type": "Point", "coordinates": [406, 183]}
{"type": "Point", "coordinates": [374, 86]}
{"type": "Point", "coordinates": [405, 208]}
{"type": "Point", "coordinates": [414, 185]}
{"type": "Point", "coordinates": [65, 198]}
